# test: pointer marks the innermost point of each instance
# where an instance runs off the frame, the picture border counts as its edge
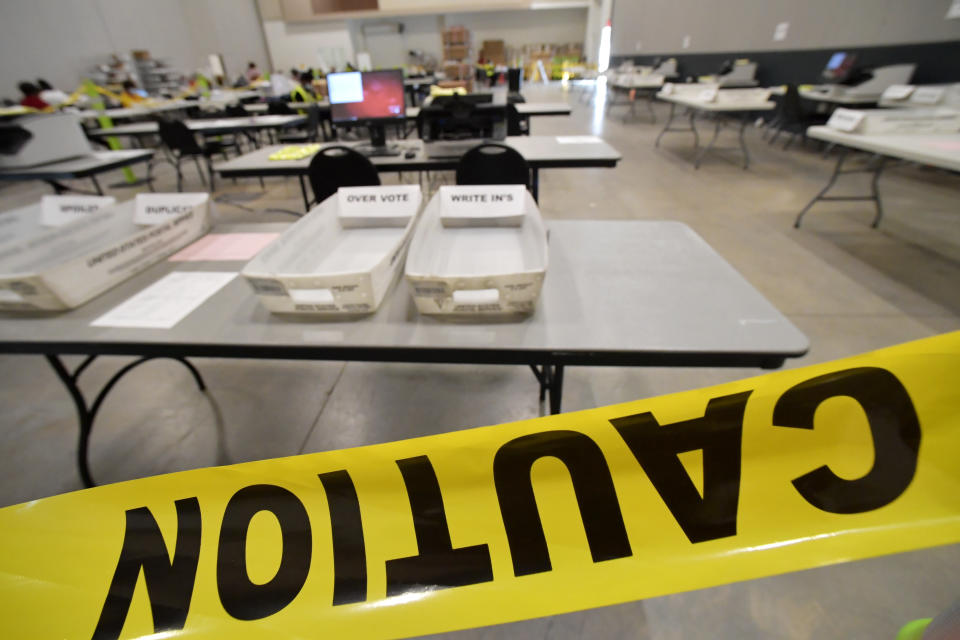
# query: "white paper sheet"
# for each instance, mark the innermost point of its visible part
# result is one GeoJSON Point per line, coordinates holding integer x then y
{"type": "Point", "coordinates": [166, 302]}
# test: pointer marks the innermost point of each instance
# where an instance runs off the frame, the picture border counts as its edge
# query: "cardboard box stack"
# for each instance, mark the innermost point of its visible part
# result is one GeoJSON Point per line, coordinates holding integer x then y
{"type": "Point", "coordinates": [493, 52]}
{"type": "Point", "coordinates": [456, 58]}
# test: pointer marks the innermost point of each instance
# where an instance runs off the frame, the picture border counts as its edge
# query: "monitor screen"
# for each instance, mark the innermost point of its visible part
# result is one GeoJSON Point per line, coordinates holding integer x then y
{"type": "Point", "coordinates": [366, 95]}
{"type": "Point", "coordinates": [836, 60]}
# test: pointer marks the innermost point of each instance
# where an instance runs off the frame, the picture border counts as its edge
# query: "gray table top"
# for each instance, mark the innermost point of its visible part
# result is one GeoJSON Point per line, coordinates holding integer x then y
{"type": "Point", "coordinates": [616, 293]}
{"type": "Point", "coordinates": [937, 150]}
{"type": "Point", "coordinates": [211, 125]}
{"type": "Point", "coordinates": [542, 108]}
{"type": "Point", "coordinates": [79, 167]}
{"type": "Point", "coordinates": [540, 152]}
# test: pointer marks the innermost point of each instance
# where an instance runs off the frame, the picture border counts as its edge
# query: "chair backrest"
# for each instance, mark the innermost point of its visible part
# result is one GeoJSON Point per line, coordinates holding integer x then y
{"type": "Point", "coordinates": [492, 163]}
{"type": "Point", "coordinates": [791, 110]}
{"type": "Point", "coordinates": [235, 111]}
{"type": "Point", "coordinates": [177, 137]}
{"type": "Point", "coordinates": [515, 124]}
{"type": "Point", "coordinates": [339, 166]}
{"type": "Point", "coordinates": [277, 108]}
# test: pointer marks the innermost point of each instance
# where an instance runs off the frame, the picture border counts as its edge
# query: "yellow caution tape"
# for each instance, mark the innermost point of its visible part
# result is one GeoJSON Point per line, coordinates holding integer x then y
{"type": "Point", "coordinates": [785, 471]}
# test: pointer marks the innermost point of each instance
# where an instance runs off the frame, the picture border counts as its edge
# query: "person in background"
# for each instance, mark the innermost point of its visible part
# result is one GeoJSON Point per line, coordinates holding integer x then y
{"type": "Point", "coordinates": [53, 97]}
{"type": "Point", "coordinates": [253, 74]}
{"type": "Point", "coordinates": [131, 95]}
{"type": "Point", "coordinates": [31, 96]}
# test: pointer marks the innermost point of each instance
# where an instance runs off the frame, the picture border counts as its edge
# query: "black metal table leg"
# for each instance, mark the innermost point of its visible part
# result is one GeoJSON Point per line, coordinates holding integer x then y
{"type": "Point", "coordinates": [535, 184]}
{"type": "Point", "coordinates": [743, 142]}
{"type": "Point", "coordinates": [666, 127]}
{"type": "Point", "coordinates": [716, 133]}
{"type": "Point", "coordinates": [86, 413]}
{"type": "Point", "coordinates": [550, 377]}
{"type": "Point", "coordinates": [693, 127]}
{"type": "Point", "coordinates": [875, 192]}
{"type": "Point", "coordinates": [556, 389]}
{"type": "Point", "coordinates": [303, 191]}
{"type": "Point", "coordinates": [838, 170]}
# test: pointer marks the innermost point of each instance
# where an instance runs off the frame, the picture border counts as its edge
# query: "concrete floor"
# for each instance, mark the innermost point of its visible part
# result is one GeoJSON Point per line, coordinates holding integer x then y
{"type": "Point", "coordinates": [850, 288]}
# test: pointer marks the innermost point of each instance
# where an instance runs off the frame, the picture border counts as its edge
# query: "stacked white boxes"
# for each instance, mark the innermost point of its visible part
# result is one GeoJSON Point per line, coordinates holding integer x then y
{"type": "Point", "coordinates": [46, 267]}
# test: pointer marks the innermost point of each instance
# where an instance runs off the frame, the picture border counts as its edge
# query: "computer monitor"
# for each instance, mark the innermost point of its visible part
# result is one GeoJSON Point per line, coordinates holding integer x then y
{"type": "Point", "coordinates": [371, 98]}
{"type": "Point", "coordinates": [839, 67]}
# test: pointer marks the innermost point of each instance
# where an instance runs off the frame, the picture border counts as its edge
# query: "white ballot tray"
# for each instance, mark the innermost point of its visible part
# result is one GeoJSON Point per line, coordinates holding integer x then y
{"type": "Point", "coordinates": [44, 267]}
{"type": "Point", "coordinates": [477, 270]}
{"type": "Point", "coordinates": [332, 263]}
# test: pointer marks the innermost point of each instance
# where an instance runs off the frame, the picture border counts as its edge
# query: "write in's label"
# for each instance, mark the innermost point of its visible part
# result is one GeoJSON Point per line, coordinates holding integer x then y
{"type": "Point", "coordinates": [845, 120]}
{"type": "Point", "coordinates": [154, 208]}
{"type": "Point", "coordinates": [502, 204]}
{"type": "Point", "coordinates": [897, 92]}
{"type": "Point", "coordinates": [59, 210]}
{"type": "Point", "coordinates": [927, 95]}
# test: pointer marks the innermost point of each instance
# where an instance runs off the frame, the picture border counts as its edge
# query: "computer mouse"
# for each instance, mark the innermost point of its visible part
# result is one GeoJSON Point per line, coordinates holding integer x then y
{"type": "Point", "coordinates": [410, 154]}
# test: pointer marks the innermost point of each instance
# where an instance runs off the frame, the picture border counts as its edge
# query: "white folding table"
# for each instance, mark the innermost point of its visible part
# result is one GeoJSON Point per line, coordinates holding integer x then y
{"type": "Point", "coordinates": [717, 108]}
{"type": "Point", "coordinates": [935, 150]}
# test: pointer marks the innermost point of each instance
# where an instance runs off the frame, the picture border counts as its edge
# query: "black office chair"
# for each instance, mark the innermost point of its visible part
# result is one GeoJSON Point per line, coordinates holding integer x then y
{"type": "Point", "coordinates": [492, 163]}
{"type": "Point", "coordinates": [517, 125]}
{"type": "Point", "coordinates": [339, 166]}
{"type": "Point", "coordinates": [181, 143]}
{"type": "Point", "coordinates": [791, 117]}
{"type": "Point", "coordinates": [279, 108]}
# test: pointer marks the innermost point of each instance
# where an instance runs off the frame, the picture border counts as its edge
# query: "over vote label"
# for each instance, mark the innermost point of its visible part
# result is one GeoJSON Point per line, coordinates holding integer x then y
{"type": "Point", "coordinates": [786, 471]}
{"type": "Point", "coordinates": [374, 201]}
{"type": "Point", "coordinates": [58, 210]}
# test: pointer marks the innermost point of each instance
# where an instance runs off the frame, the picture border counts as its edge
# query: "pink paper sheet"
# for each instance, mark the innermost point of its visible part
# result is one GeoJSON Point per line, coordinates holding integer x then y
{"type": "Point", "coordinates": [225, 246]}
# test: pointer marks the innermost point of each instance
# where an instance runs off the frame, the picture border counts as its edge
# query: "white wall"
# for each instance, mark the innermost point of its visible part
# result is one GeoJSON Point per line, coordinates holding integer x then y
{"type": "Point", "coordinates": [63, 41]}
{"type": "Point", "coordinates": [308, 43]}
{"type": "Point", "coordinates": [748, 25]}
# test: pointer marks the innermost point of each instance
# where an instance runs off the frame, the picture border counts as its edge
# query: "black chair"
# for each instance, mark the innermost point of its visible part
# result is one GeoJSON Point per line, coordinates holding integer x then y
{"type": "Point", "coordinates": [492, 163]}
{"type": "Point", "coordinates": [181, 143]}
{"type": "Point", "coordinates": [339, 166]}
{"type": "Point", "coordinates": [791, 117]}
{"type": "Point", "coordinates": [279, 108]}
{"type": "Point", "coordinates": [517, 125]}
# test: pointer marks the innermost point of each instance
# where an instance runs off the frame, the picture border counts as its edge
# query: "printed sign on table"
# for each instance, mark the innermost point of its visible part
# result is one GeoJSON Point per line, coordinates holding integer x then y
{"type": "Point", "coordinates": [59, 210]}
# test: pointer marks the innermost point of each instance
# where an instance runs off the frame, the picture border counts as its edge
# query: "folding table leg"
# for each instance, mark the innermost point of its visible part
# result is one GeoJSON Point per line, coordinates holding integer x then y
{"type": "Point", "coordinates": [303, 191]}
{"type": "Point", "coordinates": [550, 378]}
{"type": "Point", "coordinates": [86, 413]}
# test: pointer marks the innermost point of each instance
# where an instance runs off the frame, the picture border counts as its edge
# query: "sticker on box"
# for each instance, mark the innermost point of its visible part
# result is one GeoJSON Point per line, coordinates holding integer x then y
{"type": "Point", "coordinates": [154, 208]}
{"type": "Point", "coordinates": [380, 206]}
{"type": "Point", "coordinates": [59, 210]}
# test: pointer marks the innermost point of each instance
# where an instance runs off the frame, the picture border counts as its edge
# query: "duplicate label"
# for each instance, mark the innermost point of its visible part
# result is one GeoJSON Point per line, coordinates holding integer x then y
{"type": "Point", "coordinates": [59, 210]}
{"type": "Point", "coordinates": [154, 208]}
